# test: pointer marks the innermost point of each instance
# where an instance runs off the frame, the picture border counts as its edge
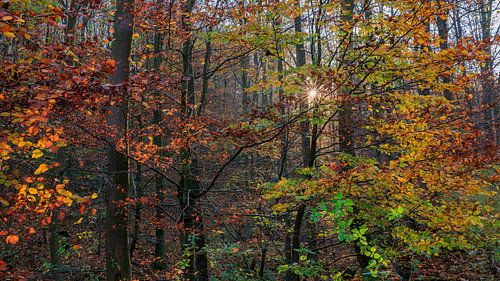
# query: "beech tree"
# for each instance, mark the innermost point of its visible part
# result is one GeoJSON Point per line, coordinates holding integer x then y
{"type": "Point", "coordinates": [248, 140]}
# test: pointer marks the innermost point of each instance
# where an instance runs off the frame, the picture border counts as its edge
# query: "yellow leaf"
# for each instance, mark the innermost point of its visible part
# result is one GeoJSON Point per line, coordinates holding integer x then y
{"type": "Point", "coordinates": [67, 201]}
{"type": "Point", "coordinates": [9, 34]}
{"type": "Point", "coordinates": [4, 202]}
{"type": "Point", "coordinates": [32, 190]}
{"type": "Point", "coordinates": [93, 196]}
{"type": "Point", "coordinates": [136, 35]}
{"type": "Point", "coordinates": [42, 169]}
{"type": "Point", "coordinates": [79, 221]}
{"type": "Point", "coordinates": [37, 154]}
{"type": "Point", "coordinates": [279, 208]}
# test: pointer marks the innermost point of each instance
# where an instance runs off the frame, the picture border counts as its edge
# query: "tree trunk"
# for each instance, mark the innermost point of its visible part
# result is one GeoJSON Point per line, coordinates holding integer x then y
{"type": "Point", "coordinates": [138, 188]}
{"type": "Point", "coordinates": [306, 156]}
{"type": "Point", "coordinates": [346, 134]}
{"type": "Point", "coordinates": [117, 236]}
{"type": "Point", "coordinates": [193, 242]}
{"type": "Point", "coordinates": [54, 246]}
{"type": "Point", "coordinates": [159, 181]}
{"type": "Point", "coordinates": [245, 99]}
{"type": "Point", "coordinates": [442, 24]}
{"type": "Point", "coordinates": [490, 99]}
{"type": "Point", "coordinates": [206, 75]}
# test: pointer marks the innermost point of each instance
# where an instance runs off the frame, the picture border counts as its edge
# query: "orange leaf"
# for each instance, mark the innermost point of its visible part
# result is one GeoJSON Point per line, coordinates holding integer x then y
{"type": "Point", "coordinates": [12, 239]}
{"type": "Point", "coordinates": [111, 63]}
{"type": "Point", "coordinates": [41, 169]}
{"type": "Point", "coordinates": [3, 266]}
{"type": "Point", "coordinates": [54, 137]}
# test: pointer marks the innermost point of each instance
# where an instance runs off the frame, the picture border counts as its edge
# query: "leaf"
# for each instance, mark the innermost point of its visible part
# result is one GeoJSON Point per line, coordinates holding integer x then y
{"type": "Point", "coordinates": [79, 221]}
{"type": "Point", "coordinates": [4, 202]}
{"type": "Point", "coordinates": [111, 63]}
{"type": "Point", "coordinates": [9, 34]}
{"type": "Point", "coordinates": [37, 154]}
{"type": "Point", "coordinates": [42, 169]}
{"type": "Point", "coordinates": [279, 208]}
{"type": "Point", "coordinates": [32, 190]}
{"type": "Point", "coordinates": [12, 239]}
{"type": "Point", "coordinates": [363, 230]}
{"type": "Point", "coordinates": [3, 266]}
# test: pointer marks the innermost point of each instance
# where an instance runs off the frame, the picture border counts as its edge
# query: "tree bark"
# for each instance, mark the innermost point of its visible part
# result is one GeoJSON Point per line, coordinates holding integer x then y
{"type": "Point", "coordinates": [159, 181]}
{"type": "Point", "coordinates": [490, 98]}
{"type": "Point", "coordinates": [306, 156]}
{"type": "Point", "coordinates": [442, 24]}
{"type": "Point", "coordinates": [193, 241]}
{"type": "Point", "coordinates": [117, 235]}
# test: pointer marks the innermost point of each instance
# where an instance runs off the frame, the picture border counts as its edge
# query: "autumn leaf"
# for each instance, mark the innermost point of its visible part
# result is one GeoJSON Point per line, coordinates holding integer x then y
{"type": "Point", "coordinates": [3, 266]}
{"type": "Point", "coordinates": [37, 154]}
{"type": "Point", "coordinates": [111, 63]}
{"type": "Point", "coordinates": [42, 169]}
{"type": "Point", "coordinates": [12, 239]}
{"type": "Point", "coordinates": [9, 34]}
{"type": "Point", "coordinates": [32, 190]}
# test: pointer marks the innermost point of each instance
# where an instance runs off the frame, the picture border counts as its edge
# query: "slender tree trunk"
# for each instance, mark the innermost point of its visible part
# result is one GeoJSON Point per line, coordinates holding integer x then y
{"type": "Point", "coordinates": [443, 29]}
{"type": "Point", "coordinates": [117, 236]}
{"type": "Point", "coordinates": [138, 188]}
{"type": "Point", "coordinates": [346, 134]}
{"type": "Point", "coordinates": [71, 22]}
{"type": "Point", "coordinates": [206, 75]}
{"type": "Point", "coordinates": [306, 157]}
{"type": "Point", "coordinates": [193, 241]}
{"type": "Point", "coordinates": [265, 94]}
{"type": "Point", "coordinates": [490, 96]}
{"type": "Point", "coordinates": [159, 181]}
{"type": "Point", "coordinates": [245, 99]}
{"type": "Point", "coordinates": [54, 246]}
{"type": "Point", "coordinates": [255, 94]}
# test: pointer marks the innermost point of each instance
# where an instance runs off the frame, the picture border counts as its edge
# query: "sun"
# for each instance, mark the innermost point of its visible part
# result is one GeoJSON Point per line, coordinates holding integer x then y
{"type": "Point", "coordinates": [312, 94]}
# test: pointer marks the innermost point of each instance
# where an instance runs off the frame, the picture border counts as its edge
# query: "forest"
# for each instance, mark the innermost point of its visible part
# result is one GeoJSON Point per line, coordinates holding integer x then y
{"type": "Point", "coordinates": [249, 140]}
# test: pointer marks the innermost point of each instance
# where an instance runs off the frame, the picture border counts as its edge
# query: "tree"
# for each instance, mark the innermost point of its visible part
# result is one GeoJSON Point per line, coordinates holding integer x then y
{"type": "Point", "coordinates": [248, 140]}
{"type": "Point", "coordinates": [117, 215]}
